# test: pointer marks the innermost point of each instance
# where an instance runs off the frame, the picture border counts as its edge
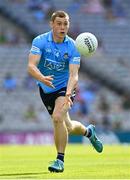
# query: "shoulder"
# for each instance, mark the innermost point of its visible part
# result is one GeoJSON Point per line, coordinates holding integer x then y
{"type": "Point", "coordinates": [40, 40]}
{"type": "Point", "coordinates": [71, 41]}
{"type": "Point", "coordinates": [41, 37]}
{"type": "Point", "coordinates": [72, 46]}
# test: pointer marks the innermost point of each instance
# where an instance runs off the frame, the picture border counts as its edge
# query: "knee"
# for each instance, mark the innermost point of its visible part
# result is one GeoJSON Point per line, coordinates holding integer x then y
{"type": "Point", "coordinates": [57, 118]}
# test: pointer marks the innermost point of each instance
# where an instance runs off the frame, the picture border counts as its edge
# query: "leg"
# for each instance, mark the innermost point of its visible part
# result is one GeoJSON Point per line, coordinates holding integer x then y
{"type": "Point", "coordinates": [60, 129]}
{"type": "Point", "coordinates": [54, 106]}
{"type": "Point", "coordinates": [75, 127]}
{"type": "Point", "coordinates": [60, 135]}
{"type": "Point", "coordinates": [62, 126]}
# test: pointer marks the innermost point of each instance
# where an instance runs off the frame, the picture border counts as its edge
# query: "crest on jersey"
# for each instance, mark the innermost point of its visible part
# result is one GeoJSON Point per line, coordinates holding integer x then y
{"type": "Point", "coordinates": [65, 56]}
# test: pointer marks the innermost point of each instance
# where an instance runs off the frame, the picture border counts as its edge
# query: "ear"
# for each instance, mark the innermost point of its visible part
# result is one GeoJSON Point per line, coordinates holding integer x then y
{"type": "Point", "coordinates": [51, 24]}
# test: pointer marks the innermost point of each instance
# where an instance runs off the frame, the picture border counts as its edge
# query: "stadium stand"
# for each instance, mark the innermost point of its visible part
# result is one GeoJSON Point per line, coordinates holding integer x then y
{"type": "Point", "coordinates": [109, 67]}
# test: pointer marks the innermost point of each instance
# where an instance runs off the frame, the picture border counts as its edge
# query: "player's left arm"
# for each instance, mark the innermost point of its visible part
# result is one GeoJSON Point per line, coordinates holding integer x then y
{"type": "Point", "coordinates": [72, 82]}
{"type": "Point", "coordinates": [74, 65]}
{"type": "Point", "coordinates": [73, 78]}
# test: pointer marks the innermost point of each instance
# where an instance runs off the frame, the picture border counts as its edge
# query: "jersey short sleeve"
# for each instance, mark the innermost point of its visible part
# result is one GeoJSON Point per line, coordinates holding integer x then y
{"type": "Point", "coordinates": [36, 46]}
{"type": "Point", "coordinates": [75, 58]}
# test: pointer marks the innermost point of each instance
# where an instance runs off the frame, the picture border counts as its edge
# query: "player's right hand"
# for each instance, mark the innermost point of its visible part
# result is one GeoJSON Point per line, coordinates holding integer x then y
{"type": "Point", "coordinates": [48, 81]}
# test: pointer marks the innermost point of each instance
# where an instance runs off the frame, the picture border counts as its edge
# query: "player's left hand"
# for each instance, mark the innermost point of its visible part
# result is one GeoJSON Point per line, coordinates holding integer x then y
{"type": "Point", "coordinates": [67, 103]}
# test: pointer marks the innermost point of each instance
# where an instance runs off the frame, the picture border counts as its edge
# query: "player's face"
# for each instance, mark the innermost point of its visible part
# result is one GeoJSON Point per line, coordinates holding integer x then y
{"type": "Point", "coordinates": [60, 28]}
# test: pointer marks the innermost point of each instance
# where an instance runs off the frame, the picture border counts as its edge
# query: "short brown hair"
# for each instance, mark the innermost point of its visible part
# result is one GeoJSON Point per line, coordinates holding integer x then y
{"type": "Point", "coordinates": [60, 14]}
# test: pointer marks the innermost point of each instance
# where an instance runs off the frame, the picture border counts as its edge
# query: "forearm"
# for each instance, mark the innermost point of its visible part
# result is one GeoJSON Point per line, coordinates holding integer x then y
{"type": "Point", "coordinates": [72, 83]}
{"type": "Point", "coordinates": [34, 71]}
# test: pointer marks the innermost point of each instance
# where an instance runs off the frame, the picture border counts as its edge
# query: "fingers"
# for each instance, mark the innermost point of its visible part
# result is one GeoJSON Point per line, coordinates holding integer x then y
{"type": "Point", "coordinates": [49, 78]}
{"type": "Point", "coordinates": [51, 85]}
{"type": "Point", "coordinates": [67, 104]}
{"type": "Point", "coordinates": [48, 81]}
{"type": "Point", "coordinates": [68, 99]}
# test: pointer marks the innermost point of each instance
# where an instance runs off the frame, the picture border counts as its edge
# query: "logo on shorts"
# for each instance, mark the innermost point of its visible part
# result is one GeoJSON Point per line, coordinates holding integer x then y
{"type": "Point", "coordinates": [61, 92]}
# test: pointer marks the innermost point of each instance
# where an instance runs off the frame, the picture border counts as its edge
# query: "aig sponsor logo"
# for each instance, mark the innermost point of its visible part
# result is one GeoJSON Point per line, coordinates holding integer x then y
{"type": "Point", "coordinates": [53, 65]}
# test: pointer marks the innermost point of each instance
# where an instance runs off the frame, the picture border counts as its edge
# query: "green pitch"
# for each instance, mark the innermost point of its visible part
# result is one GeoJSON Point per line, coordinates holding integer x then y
{"type": "Point", "coordinates": [81, 162]}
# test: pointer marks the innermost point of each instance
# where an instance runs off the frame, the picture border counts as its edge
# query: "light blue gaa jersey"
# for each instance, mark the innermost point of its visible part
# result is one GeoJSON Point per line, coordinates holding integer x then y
{"type": "Point", "coordinates": [55, 59]}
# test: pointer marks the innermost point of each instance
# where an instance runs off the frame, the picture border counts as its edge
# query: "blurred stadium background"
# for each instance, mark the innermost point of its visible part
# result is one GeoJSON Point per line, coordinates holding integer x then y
{"type": "Point", "coordinates": [103, 95]}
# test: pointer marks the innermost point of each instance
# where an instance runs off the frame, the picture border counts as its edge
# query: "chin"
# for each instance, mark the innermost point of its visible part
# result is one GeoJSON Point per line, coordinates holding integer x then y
{"type": "Point", "coordinates": [62, 35]}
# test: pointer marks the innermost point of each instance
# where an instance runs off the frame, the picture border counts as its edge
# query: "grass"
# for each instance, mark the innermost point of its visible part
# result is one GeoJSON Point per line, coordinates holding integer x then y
{"type": "Point", "coordinates": [81, 162]}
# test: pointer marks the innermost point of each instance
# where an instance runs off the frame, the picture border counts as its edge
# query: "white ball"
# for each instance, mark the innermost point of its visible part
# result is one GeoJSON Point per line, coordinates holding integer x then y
{"type": "Point", "coordinates": [86, 43]}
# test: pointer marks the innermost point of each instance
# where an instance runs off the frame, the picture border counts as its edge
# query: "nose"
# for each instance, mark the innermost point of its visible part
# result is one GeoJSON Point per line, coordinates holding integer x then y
{"type": "Point", "coordinates": [62, 26]}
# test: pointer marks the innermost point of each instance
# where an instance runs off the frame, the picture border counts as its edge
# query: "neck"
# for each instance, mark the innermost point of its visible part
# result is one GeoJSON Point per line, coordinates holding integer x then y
{"type": "Point", "coordinates": [57, 39]}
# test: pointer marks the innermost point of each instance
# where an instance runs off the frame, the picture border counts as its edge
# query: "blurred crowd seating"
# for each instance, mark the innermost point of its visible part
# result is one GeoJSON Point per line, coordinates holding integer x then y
{"type": "Point", "coordinates": [21, 107]}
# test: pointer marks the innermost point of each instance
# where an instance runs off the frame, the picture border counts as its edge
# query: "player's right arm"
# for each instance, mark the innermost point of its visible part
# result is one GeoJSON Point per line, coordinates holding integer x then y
{"type": "Point", "coordinates": [33, 60]}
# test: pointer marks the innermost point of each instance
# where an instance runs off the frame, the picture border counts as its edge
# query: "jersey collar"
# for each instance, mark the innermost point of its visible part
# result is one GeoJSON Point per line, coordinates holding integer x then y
{"type": "Point", "coordinates": [51, 39]}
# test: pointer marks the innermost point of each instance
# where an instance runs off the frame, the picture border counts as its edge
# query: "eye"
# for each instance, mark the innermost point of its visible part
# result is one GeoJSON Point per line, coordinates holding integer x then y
{"type": "Point", "coordinates": [66, 24]}
{"type": "Point", "coordinates": [58, 23]}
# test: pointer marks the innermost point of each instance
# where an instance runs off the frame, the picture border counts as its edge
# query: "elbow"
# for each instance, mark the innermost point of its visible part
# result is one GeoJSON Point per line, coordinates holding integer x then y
{"type": "Point", "coordinates": [29, 69]}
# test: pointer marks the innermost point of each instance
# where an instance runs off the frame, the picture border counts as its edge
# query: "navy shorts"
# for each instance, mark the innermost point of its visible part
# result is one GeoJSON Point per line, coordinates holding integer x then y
{"type": "Point", "coordinates": [49, 99]}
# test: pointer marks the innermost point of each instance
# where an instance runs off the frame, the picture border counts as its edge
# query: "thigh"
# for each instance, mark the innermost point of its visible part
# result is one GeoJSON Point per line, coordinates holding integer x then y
{"type": "Point", "coordinates": [59, 102]}
{"type": "Point", "coordinates": [60, 111]}
{"type": "Point", "coordinates": [48, 100]}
